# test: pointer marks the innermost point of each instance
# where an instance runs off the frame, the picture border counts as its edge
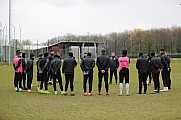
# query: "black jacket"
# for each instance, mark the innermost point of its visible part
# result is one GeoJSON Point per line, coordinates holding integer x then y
{"type": "Point", "coordinates": [155, 65]}
{"type": "Point", "coordinates": [113, 63]}
{"type": "Point", "coordinates": [87, 64]}
{"type": "Point", "coordinates": [29, 65]}
{"type": "Point", "coordinates": [24, 64]}
{"type": "Point", "coordinates": [149, 64]}
{"type": "Point", "coordinates": [43, 65]}
{"type": "Point", "coordinates": [68, 65]}
{"type": "Point", "coordinates": [141, 64]}
{"type": "Point", "coordinates": [165, 61]}
{"type": "Point", "coordinates": [102, 62]}
{"type": "Point", "coordinates": [50, 58]}
{"type": "Point", "coordinates": [37, 63]}
{"type": "Point", "coordinates": [55, 65]}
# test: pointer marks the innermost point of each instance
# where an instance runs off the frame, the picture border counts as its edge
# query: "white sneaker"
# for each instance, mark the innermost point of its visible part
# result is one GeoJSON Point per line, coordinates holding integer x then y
{"type": "Point", "coordinates": [62, 92]}
{"type": "Point", "coordinates": [16, 89]}
{"type": "Point", "coordinates": [20, 90]}
{"type": "Point", "coordinates": [164, 89]}
{"type": "Point", "coordinates": [56, 92]}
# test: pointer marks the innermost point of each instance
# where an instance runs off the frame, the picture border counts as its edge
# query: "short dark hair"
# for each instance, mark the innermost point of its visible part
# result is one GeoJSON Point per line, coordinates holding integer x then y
{"type": "Point", "coordinates": [152, 54]}
{"type": "Point", "coordinates": [45, 54]}
{"type": "Point", "coordinates": [148, 55]}
{"type": "Point", "coordinates": [88, 54]}
{"type": "Point", "coordinates": [103, 50]}
{"type": "Point", "coordinates": [17, 52]}
{"type": "Point", "coordinates": [140, 53]}
{"type": "Point", "coordinates": [162, 50]}
{"type": "Point", "coordinates": [40, 55]}
{"type": "Point", "coordinates": [32, 55]}
{"type": "Point", "coordinates": [124, 52]}
{"type": "Point", "coordinates": [23, 54]}
{"type": "Point", "coordinates": [70, 54]}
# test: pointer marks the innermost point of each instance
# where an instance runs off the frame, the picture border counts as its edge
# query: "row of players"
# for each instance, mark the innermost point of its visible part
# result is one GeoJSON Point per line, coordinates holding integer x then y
{"type": "Point", "coordinates": [49, 66]}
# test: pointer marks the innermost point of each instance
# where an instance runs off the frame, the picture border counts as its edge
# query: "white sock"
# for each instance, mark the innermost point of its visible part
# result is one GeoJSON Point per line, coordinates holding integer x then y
{"type": "Point", "coordinates": [38, 88]}
{"type": "Point", "coordinates": [121, 88]}
{"type": "Point", "coordinates": [127, 88]}
{"type": "Point", "coordinates": [72, 92]}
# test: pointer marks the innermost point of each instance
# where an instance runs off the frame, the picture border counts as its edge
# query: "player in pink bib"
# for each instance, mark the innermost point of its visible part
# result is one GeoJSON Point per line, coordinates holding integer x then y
{"type": "Point", "coordinates": [18, 72]}
{"type": "Point", "coordinates": [124, 62]}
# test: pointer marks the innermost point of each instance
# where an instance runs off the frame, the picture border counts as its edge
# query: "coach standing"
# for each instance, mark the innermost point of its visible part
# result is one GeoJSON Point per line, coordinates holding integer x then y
{"type": "Point", "coordinates": [113, 67]}
{"type": "Point", "coordinates": [43, 71]}
{"type": "Point", "coordinates": [141, 66]}
{"type": "Point", "coordinates": [30, 72]}
{"type": "Point", "coordinates": [165, 61]}
{"type": "Point", "coordinates": [55, 66]}
{"type": "Point", "coordinates": [155, 70]}
{"type": "Point", "coordinates": [68, 70]}
{"type": "Point", "coordinates": [87, 66]}
{"type": "Point", "coordinates": [103, 66]}
{"type": "Point", "coordinates": [24, 70]}
{"type": "Point", "coordinates": [124, 62]}
{"type": "Point", "coordinates": [50, 58]}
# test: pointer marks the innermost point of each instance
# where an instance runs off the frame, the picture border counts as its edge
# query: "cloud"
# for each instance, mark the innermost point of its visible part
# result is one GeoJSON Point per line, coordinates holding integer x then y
{"type": "Point", "coordinates": [61, 3]}
{"type": "Point", "coordinates": [100, 2]}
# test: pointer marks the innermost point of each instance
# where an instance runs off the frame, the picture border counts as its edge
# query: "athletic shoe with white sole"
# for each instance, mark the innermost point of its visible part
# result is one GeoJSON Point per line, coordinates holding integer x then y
{"type": "Point", "coordinates": [127, 94]}
{"type": "Point", "coordinates": [90, 94]}
{"type": "Point", "coordinates": [62, 92]}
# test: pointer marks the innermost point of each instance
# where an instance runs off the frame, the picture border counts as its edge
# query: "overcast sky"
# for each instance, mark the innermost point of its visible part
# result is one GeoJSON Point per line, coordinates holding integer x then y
{"type": "Point", "coordinates": [44, 19]}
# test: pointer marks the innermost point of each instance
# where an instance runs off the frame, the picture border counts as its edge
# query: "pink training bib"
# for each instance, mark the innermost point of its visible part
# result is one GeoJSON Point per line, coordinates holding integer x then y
{"type": "Point", "coordinates": [16, 59]}
{"type": "Point", "coordinates": [123, 62]}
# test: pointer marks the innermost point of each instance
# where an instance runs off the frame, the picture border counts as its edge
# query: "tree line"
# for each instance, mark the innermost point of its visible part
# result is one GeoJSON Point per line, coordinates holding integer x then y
{"type": "Point", "coordinates": [136, 40]}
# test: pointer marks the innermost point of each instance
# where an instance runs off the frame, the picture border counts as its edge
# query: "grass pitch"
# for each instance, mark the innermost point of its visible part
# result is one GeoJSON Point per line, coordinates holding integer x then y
{"type": "Point", "coordinates": [35, 106]}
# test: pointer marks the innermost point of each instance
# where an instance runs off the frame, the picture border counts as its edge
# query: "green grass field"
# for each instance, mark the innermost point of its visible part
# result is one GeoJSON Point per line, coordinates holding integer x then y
{"type": "Point", "coordinates": [35, 106]}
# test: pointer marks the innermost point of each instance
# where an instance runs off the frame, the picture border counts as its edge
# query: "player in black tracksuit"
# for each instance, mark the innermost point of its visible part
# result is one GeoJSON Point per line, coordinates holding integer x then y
{"type": "Point", "coordinates": [43, 71]}
{"type": "Point", "coordinates": [38, 74]}
{"type": "Point", "coordinates": [103, 66]}
{"type": "Point", "coordinates": [165, 61]}
{"type": "Point", "coordinates": [141, 66]}
{"type": "Point", "coordinates": [155, 70]}
{"type": "Point", "coordinates": [169, 77]}
{"type": "Point", "coordinates": [113, 67]}
{"type": "Point", "coordinates": [149, 69]}
{"type": "Point", "coordinates": [55, 66]}
{"type": "Point", "coordinates": [87, 66]}
{"type": "Point", "coordinates": [68, 70]}
{"type": "Point", "coordinates": [50, 58]}
{"type": "Point", "coordinates": [24, 70]}
{"type": "Point", "coordinates": [30, 71]}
